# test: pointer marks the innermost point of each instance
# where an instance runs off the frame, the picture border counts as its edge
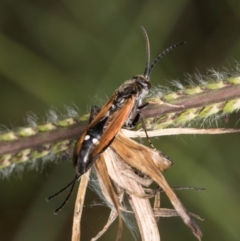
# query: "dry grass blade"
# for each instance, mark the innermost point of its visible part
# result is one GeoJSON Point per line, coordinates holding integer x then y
{"type": "Point", "coordinates": [76, 233]}
{"type": "Point", "coordinates": [138, 157]}
{"type": "Point", "coordinates": [113, 215]}
{"type": "Point", "coordinates": [117, 165]}
{"type": "Point", "coordinates": [104, 177]}
{"type": "Point", "coordinates": [156, 205]}
{"type": "Point", "coordinates": [178, 131]}
{"type": "Point", "coordinates": [141, 206]}
{"type": "Point", "coordinates": [167, 213]}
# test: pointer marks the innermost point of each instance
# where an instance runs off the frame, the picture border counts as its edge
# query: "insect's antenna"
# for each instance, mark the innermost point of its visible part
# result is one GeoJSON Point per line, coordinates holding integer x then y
{"type": "Point", "coordinates": [146, 71]}
{"type": "Point", "coordinates": [72, 184]}
{"type": "Point", "coordinates": [161, 55]}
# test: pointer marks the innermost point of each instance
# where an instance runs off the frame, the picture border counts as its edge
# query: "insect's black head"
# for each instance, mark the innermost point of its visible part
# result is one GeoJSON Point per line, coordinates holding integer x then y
{"type": "Point", "coordinates": [142, 82]}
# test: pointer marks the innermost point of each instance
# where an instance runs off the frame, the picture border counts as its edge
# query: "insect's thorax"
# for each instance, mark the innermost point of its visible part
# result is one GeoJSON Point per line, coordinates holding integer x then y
{"type": "Point", "coordinates": [136, 88]}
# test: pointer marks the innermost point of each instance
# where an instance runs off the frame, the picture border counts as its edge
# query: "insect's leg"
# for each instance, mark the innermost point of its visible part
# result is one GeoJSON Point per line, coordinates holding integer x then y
{"type": "Point", "coordinates": [93, 112]}
{"type": "Point", "coordinates": [142, 106]}
{"type": "Point", "coordinates": [72, 183]}
{"type": "Point", "coordinates": [145, 129]}
{"type": "Point", "coordinates": [136, 119]}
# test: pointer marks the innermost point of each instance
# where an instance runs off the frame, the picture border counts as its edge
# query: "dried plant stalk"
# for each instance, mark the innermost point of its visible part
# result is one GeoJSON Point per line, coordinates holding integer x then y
{"type": "Point", "coordinates": [79, 204]}
{"type": "Point", "coordinates": [117, 163]}
{"type": "Point", "coordinates": [141, 206]}
{"type": "Point", "coordinates": [136, 156]}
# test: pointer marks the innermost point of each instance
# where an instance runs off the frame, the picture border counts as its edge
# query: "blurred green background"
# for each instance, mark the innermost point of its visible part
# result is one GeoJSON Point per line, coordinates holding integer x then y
{"type": "Point", "coordinates": [72, 52]}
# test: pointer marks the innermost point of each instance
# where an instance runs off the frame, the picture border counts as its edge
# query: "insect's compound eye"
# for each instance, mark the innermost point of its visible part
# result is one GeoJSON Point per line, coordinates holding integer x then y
{"type": "Point", "coordinates": [144, 83]}
{"type": "Point", "coordinates": [147, 84]}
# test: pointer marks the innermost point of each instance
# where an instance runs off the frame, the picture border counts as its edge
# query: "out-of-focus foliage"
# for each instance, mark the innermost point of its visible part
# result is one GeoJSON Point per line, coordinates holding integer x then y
{"type": "Point", "coordinates": [72, 52]}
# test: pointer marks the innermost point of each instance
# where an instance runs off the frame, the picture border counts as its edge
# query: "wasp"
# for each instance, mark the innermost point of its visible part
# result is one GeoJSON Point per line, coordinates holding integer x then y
{"type": "Point", "coordinates": [121, 111]}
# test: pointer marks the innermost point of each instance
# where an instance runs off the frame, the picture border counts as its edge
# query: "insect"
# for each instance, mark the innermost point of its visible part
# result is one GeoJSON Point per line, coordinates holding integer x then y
{"type": "Point", "coordinates": [121, 110]}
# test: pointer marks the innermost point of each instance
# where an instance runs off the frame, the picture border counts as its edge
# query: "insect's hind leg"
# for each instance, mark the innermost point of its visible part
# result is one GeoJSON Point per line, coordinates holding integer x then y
{"type": "Point", "coordinates": [145, 130]}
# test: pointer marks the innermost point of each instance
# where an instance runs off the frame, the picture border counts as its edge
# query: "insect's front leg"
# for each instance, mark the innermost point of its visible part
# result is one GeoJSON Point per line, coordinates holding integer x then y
{"type": "Point", "coordinates": [135, 119]}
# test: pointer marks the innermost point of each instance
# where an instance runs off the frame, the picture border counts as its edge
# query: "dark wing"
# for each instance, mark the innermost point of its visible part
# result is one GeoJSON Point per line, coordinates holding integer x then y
{"type": "Point", "coordinates": [114, 124]}
{"type": "Point", "coordinates": [98, 117]}
{"type": "Point", "coordinates": [103, 112]}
